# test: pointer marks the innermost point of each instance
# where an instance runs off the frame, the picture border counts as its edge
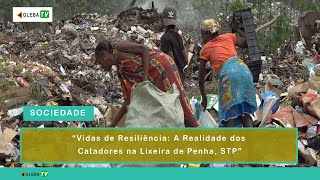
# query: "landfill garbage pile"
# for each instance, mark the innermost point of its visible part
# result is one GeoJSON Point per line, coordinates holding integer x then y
{"type": "Point", "coordinates": [146, 18]}
{"type": "Point", "coordinates": [295, 60]}
{"type": "Point", "coordinates": [57, 68]}
{"type": "Point", "coordinates": [290, 97]}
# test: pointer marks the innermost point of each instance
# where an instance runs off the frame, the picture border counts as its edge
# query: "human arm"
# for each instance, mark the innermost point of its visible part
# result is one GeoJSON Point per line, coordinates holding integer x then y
{"type": "Point", "coordinates": [122, 111]}
{"type": "Point", "coordinates": [202, 73]}
{"type": "Point", "coordinates": [240, 41]}
{"type": "Point", "coordinates": [139, 49]}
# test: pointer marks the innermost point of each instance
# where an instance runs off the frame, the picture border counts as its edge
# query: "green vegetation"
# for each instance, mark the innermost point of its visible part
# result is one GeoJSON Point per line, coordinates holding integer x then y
{"type": "Point", "coordinates": [28, 76]}
{"type": "Point", "coordinates": [14, 69]}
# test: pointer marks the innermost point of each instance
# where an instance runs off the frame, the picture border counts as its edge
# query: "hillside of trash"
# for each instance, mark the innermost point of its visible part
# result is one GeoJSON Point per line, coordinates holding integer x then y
{"type": "Point", "coordinates": [56, 68]}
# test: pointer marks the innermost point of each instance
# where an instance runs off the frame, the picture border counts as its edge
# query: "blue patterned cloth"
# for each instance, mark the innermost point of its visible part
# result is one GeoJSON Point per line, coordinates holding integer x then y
{"type": "Point", "coordinates": [236, 91]}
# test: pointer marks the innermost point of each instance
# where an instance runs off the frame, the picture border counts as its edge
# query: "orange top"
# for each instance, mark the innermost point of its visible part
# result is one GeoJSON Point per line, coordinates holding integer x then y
{"type": "Point", "coordinates": [219, 50]}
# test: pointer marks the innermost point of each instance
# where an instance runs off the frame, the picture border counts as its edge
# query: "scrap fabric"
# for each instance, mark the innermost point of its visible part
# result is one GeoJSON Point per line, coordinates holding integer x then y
{"type": "Point", "coordinates": [162, 72]}
{"type": "Point", "coordinates": [236, 91]}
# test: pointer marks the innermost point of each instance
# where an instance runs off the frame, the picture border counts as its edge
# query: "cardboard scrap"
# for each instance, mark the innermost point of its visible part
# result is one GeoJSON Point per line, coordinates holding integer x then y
{"type": "Point", "coordinates": [308, 154]}
{"type": "Point", "coordinates": [1, 142]}
{"type": "Point", "coordinates": [299, 120]}
{"type": "Point", "coordinates": [269, 87]}
{"type": "Point", "coordinates": [110, 115]}
{"type": "Point", "coordinates": [283, 116]}
{"type": "Point", "coordinates": [304, 87]}
{"type": "Point", "coordinates": [311, 102]}
{"type": "Point", "coordinates": [288, 117]}
{"type": "Point", "coordinates": [8, 135]}
{"type": "Point", "coordinates": [312, 120]}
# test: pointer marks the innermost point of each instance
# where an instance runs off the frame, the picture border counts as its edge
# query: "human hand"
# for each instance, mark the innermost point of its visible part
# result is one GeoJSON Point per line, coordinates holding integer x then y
{"type": "Point", "coordinates": [233, 24]}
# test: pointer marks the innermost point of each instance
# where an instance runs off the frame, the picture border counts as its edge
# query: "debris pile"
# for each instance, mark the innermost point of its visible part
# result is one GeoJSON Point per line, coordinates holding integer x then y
{"type": "Point", "coordinates": [57, 68]}
{"type": "Point", "coordinates": [290, 93]}
{"type": "Point", "coordinates": [146, 18]}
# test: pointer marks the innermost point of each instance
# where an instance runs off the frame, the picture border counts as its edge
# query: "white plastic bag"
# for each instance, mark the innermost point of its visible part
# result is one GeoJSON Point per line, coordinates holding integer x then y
{"type": "Point", "coordinates": [204, 117]}
{"type": "Point", "coordinates": [267, 109]}
{"type": "Point", "coordinates": [150, 107]}
{"type": "Point", "coordinates": [15, 112]}
{"type": "Point", "coordinates": [206, 120]}
{"type": "Point", "coordinates": [193, 101]}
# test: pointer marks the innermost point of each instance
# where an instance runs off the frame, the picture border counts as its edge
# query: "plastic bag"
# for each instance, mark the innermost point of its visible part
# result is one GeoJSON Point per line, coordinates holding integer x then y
{"type": "Point", "coordinates": [193, 101]}
{"type": "Point", "coordinates": [267, 109]}
{"type": "Point", "coordinates": [151, 107]}
{"type": "Point", "coordinates": [212, 100]}
{"type": "Point", "coordinates": [207, 121]}
{"type": "Point", "coordinates": [204, 117]}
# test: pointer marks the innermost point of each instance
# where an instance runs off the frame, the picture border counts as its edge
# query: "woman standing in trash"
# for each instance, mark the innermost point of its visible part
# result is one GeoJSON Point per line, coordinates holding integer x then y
{"type": "Point", "coordinates": [136, 63]}
{"type": "Point", "coordinates": [237, 99]}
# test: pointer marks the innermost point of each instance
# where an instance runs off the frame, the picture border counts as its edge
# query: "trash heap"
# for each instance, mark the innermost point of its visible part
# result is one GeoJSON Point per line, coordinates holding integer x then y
{"type": "Point", "coordinates": [56, 67]}
{"type": "Point", "coordinates": [289, 91]}
{"type": "Point", "coordinates": [146, 18]}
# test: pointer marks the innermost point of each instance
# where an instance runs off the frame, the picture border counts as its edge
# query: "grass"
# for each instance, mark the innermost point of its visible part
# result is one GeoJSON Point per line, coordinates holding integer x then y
{"type": "Point", "coordinates": [14, 69]}
{"type": "Point", "coordinates": [6, 84]}
{"type": "Point", "coordinates": [12, 96]}
{"type": "Point", "coordinates": [17, 69]}
{"type": "Point", "coordinates": [4, 69]}
{"type": "Point", "coordinates": [28, 77]}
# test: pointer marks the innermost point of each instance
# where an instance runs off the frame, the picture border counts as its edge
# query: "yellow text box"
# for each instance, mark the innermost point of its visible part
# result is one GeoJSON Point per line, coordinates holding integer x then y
{"type": "Point", "coordinates": [159, 145]}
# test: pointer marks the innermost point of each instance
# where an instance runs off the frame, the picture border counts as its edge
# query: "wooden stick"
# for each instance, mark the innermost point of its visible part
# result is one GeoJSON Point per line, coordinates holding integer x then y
{"type": "Point", "coordinates": [208, 74]}
{"type": "Point", "coordinates": [267, 24]}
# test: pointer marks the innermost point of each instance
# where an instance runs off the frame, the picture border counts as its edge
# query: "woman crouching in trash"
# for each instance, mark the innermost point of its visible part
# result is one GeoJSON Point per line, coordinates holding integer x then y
{"type": "Point", "coordinates": [237, 98]}
{"type": "Point", "coordinates": [137, 63]}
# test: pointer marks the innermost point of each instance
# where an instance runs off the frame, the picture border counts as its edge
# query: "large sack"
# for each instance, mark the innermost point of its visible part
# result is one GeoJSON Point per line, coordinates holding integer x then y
{"type": "Point", "coordinates": [151, 107]}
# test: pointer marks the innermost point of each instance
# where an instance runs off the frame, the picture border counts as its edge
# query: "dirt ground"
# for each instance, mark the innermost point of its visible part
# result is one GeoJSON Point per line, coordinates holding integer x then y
{"type": "Point", "coordinates": [12, 96]}
{"type": "Point", "coordinates": [211, 87]}
{"type": "Point", "coordinates": [5, 38]}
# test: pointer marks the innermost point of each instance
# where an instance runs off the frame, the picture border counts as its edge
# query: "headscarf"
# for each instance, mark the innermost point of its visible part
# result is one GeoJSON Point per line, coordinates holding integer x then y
{"type": "Point", "coordinates": [210, 25]}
